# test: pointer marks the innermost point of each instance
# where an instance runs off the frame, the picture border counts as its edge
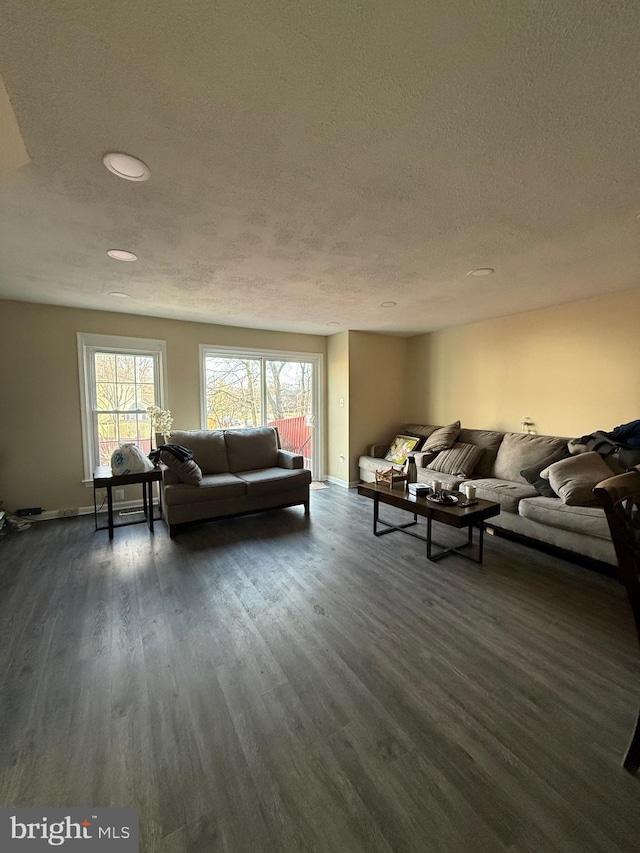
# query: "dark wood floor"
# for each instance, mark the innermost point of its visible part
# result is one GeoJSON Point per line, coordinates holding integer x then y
{"type": "Point", "coordinates": [276, 683]}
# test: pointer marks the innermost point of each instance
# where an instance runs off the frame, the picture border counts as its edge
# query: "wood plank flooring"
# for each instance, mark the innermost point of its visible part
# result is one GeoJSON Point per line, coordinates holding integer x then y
{"type": "Point", "coordinates": [276, 683]}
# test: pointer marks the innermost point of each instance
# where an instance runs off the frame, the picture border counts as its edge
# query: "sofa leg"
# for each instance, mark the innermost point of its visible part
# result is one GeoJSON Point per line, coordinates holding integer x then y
{"type": "Point", "coordinates": [306, 507]}
{"type": "Point", "coordinates": [172, 531]}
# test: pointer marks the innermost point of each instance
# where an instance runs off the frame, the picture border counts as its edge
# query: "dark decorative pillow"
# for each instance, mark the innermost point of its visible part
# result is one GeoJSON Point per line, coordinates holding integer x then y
{"type": "Point", "coordinates": [532, 473]}
{"type": "Point", "coordinates": [442, 438]}
{"type": "Point", "coordinates": [460, 460]}
{"type": "Point", "coordinates": [188, 471]}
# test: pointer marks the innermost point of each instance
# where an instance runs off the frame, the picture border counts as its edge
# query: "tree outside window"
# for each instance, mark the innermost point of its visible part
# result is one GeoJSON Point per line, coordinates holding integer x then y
{"type": "Point", "coordinates": [250, 391]}
{"type": "Point", "coordinates": [124, 388]}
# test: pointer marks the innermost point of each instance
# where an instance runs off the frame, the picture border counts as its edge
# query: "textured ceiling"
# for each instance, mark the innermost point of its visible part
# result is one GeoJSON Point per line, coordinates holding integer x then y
{"type": "Point", "coordinates": [311, 160]}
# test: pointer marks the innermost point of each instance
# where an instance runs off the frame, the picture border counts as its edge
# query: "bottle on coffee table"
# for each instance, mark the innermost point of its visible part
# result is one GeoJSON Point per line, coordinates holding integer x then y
{"type": "Point", "coordinates": [411, 470]}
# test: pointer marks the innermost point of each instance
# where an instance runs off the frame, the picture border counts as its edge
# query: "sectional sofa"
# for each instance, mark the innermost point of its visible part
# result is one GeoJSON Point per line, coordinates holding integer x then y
{"type": "Point", "coordinates": [232, 472]}
{"type": "Point", "coordinates": [495, 471]}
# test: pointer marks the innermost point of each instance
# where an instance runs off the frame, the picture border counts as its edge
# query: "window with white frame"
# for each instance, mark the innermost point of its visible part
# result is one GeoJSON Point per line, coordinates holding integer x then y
{"type": "Point", "coordinates": [248, 388]}
{"type": "Point", "coordinates": [119, 379]}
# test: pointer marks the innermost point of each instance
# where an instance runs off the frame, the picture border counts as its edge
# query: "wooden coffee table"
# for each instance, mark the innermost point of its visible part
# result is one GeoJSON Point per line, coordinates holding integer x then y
{"type": "Point", "coordinates": [452, 515]}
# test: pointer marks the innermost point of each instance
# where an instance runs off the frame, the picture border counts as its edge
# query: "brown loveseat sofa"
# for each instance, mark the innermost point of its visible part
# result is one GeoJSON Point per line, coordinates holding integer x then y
{"type": "Point", "coordinates": [498, 476]}
{"type": "Point", "coordinates": [243, 471]}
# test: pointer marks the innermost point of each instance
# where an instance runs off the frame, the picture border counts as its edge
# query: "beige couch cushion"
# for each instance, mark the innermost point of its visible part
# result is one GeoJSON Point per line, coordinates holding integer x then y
{"type": "Point", "coordinates": [490, 441]}
{"type": "Point", "coordinates": [520, 450]}
{"type": "Point", "coordinates": [250, 449]}
{"type": "Point", "coordinates": [370, 464]}
{"type": "Point", "coordinates": [213, 487]}
{"type": "Point", "coordinates": [575, 478]}
{"type": "Point", "coordinates": [208, 446]}
{"type": "Point", "coordinates": [589, 520]}
{"type": "Point", "coordinates": [507, 493]}
{"type": "Point", "coordinates": [270, 480]}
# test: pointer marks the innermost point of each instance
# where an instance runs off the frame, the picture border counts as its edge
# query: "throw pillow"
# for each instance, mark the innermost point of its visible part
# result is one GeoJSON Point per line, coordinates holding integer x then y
{"type": "Point", "coordinates": [423, 430]}
{"type": "Point", "coordinates": [442, 438]}
{"type": "Point", "coordinates": [188, 471]}
{"type": "Point", "coordinates": [575, 478]}
{"type": "Point", "coordinates": [532, 473]}
{"type": "Point", "coordinates": [400, 447]}
{"type": "Point", "coordinates": [520, 450]}
{"type": "Point", "coordinates": [460, 460]}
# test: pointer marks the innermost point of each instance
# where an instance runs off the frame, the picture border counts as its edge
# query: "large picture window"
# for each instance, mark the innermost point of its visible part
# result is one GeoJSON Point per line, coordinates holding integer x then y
{"type": "Point", "coordinates": [247, 388]}
{"type": "Point", "coordinates": [119, 379]}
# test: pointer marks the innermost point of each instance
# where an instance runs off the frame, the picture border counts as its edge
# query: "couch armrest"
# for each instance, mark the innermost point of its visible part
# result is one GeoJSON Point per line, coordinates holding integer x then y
{"type": "Point", "coordinates": [423, 459]}
{"type": "Point", "coordinates": [169, 478]}
{"type": "Point", "coordinates": [379, 451]}
{"type": "Point", "coordinates": [286, 459]}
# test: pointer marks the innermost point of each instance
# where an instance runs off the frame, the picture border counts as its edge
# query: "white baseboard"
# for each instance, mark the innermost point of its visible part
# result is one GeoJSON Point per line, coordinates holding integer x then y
{"type": "Point", "coordinates": [343, 483]}
{"type": "Point", "coordinates": [49, 514]}
{"type": "Point", "coordinates": [336, 482]}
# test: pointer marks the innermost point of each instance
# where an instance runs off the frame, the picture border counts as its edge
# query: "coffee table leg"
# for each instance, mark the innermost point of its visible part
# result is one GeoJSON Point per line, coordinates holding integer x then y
{"type": "Point", "coordinates": [376, 509]}
{"type": "Point", "coordinates": [456, 550]}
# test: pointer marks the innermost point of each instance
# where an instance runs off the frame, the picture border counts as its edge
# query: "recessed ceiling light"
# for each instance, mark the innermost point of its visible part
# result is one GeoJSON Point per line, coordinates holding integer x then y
{"type": "Point", "coordinates": [118, 294]}
{"type": "Point", "coordinates": [122, 255]}
{"type": "Point", "coordinates": [388, 304]}
{"type": "Point", "coordinates": [333, 323]}
{"type": "Point", "coordinates": [127, 167]}
{"type": "Point", "coordinates": [482, 271]}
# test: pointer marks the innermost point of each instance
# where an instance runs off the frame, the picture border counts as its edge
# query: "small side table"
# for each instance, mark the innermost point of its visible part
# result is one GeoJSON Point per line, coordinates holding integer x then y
{"type": "Point", "coordinates": [104, 479]}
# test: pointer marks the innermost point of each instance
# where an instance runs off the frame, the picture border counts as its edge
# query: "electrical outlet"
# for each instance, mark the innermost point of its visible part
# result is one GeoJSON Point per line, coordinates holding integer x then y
{"type": "Point", "coordinates": [119, 494]}
{"type": "Point", "coordinates": [66, 513]}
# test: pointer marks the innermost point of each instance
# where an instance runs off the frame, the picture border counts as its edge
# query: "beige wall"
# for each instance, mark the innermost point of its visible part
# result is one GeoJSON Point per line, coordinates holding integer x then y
{"type": "Point", "coordinates": [338, 407]}
{"type": "Point", "coordinates": [368, 372]}
{"type": "Point", "coordinates": [573, 369]}
{"type": "Point", "coordinates": [378, 385]}
{"type": "Point", "coordinates": [41, 447]}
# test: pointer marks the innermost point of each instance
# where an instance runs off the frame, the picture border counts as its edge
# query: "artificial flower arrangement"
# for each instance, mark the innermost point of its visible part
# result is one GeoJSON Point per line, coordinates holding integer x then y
{"type": "Point", "coordinates": [161, 420]}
